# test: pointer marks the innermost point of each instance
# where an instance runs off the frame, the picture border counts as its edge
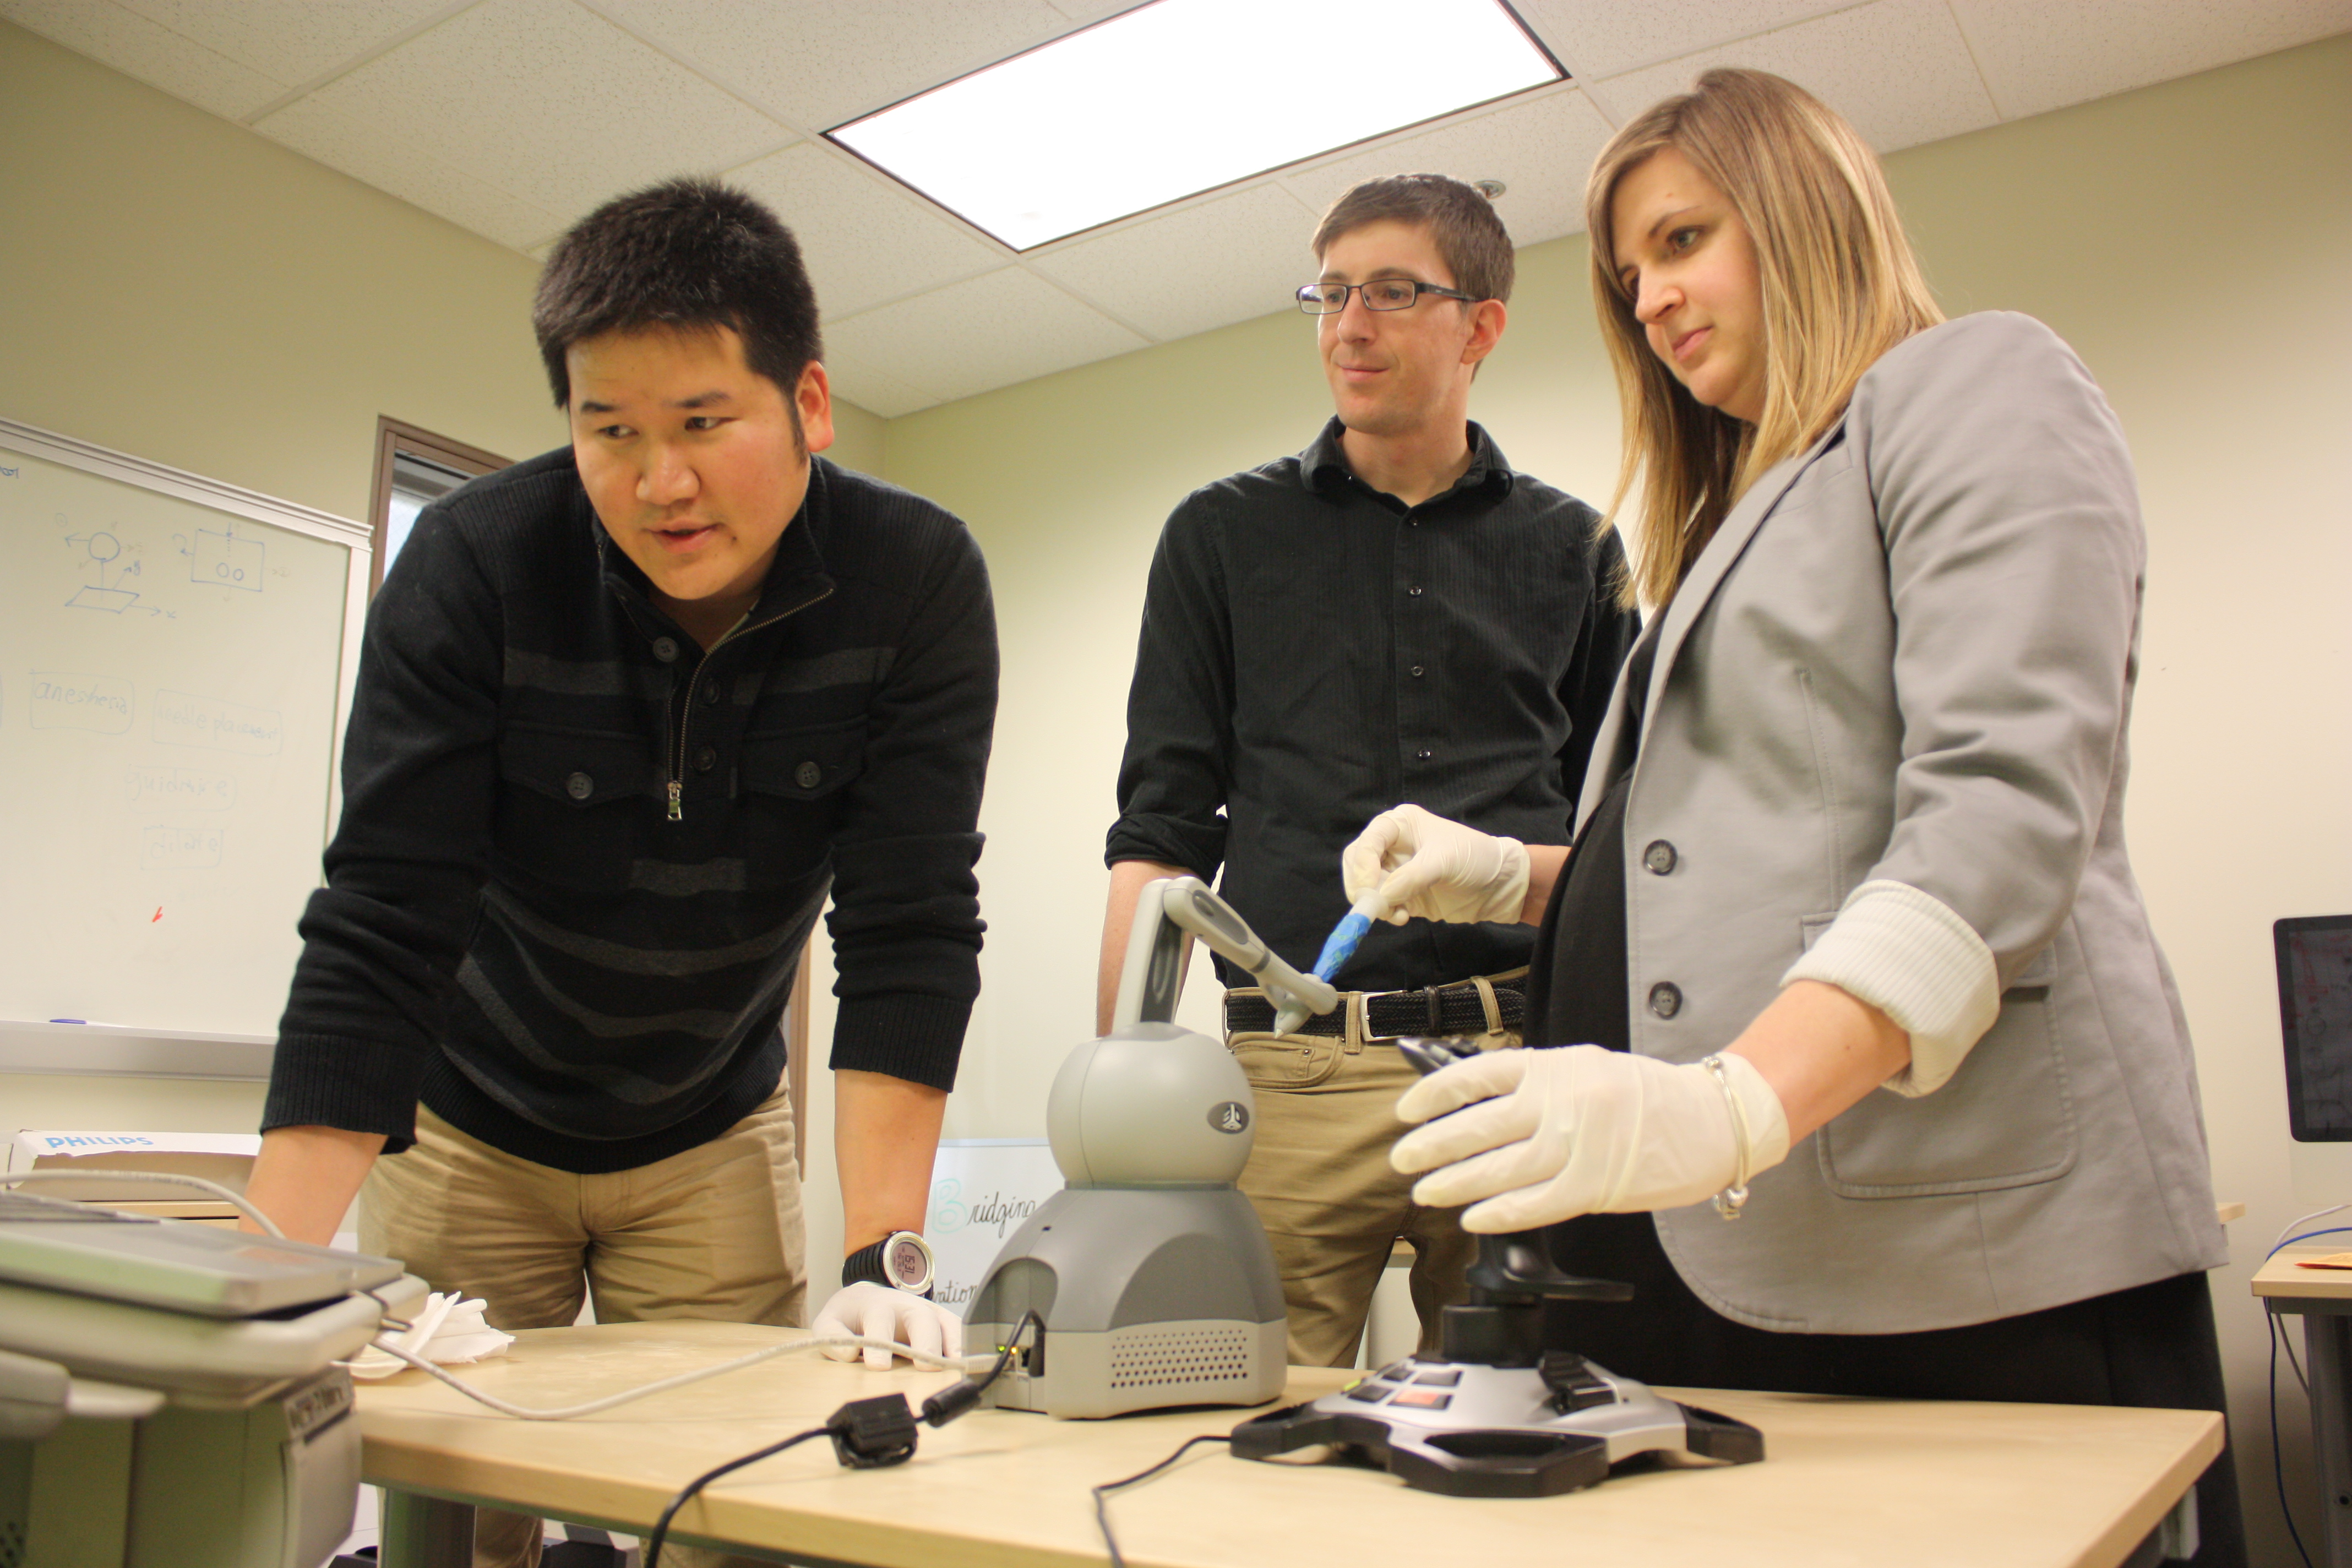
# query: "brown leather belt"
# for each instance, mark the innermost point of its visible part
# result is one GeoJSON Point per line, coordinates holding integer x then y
{"type": "Point", "coordinates": [1456, 1009]}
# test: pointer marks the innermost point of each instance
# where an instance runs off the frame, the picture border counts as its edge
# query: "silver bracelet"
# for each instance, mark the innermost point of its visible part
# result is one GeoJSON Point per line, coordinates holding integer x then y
{"type": "Point", "coordinates": [1728, 1202]}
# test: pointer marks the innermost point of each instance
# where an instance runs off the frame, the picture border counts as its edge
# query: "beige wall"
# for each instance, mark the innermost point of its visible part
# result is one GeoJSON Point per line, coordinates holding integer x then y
{"type": "Point", "coordinates": [2193, 241]}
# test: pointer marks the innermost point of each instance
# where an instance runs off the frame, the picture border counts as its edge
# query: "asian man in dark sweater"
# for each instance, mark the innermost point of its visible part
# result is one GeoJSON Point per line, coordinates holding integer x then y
{"type": "Point", "coordinates": [627, 712]}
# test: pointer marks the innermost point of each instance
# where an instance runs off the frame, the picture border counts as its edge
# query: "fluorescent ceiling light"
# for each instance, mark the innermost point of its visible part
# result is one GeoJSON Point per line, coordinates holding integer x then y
{"type": "Point", "coordinates": [1182, 96]}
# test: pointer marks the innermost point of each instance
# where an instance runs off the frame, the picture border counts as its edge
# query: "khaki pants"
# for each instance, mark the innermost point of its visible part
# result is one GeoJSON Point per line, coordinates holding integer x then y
{"type": "Point", "coordinates": [1320, 1177]}
{"type": "Point", "coordinates": [712, 1233]}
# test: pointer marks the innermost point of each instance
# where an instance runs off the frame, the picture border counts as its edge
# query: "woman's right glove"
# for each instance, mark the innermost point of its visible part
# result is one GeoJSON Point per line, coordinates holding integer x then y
{"type": "Point", "coordinates": [1417, 863]}
{"type": "Point", "coordinates": [1529, 1138]}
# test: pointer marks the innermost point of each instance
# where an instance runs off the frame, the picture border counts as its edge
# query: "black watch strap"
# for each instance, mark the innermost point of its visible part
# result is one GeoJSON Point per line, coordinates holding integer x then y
{"type": "Point", "coordinates": [865, 1266]}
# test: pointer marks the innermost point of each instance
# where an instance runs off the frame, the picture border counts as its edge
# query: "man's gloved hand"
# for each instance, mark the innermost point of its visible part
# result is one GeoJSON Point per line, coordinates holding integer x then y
{"type": "Point", "coordinates": [1421, 864]}
{"type": "Point", "coordinates": [884, 1312]}
{"type": "Point", "coordinates": [1542, 1136]}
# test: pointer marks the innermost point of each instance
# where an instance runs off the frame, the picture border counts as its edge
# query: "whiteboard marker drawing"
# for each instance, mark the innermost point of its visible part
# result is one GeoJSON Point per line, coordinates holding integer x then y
{"type": "Point", "coordinates": [226, 558]}
{"type": "Point", "coordinates": [107, 593]}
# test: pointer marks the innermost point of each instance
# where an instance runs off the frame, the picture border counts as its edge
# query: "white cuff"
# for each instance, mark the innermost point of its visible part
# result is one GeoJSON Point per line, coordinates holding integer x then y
{"type": "Point", "coordinates": [1906, 953]}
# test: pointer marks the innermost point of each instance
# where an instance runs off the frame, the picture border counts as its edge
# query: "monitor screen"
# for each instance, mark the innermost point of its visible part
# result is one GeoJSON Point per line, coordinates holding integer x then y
{"type": "Point", "coordinates": [2314, 979]}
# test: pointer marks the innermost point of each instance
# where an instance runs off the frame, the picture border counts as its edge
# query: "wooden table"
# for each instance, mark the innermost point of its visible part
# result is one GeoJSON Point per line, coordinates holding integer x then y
{"type": "Point", "coordinates": [2323, 1298]}
{"type": "Point", "coordinates": [1846, 1481]}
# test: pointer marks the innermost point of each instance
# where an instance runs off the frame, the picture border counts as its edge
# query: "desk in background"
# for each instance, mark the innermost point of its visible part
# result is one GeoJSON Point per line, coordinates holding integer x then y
{"type": "Point", "coordinates": [1847, 1480]}
{"type": "Point", "coordinates": [2322, 1298]}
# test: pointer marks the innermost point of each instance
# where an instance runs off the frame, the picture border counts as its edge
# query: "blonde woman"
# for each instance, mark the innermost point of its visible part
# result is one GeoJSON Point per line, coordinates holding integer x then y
{"type": "Point", "coordinates": [1848, 942]}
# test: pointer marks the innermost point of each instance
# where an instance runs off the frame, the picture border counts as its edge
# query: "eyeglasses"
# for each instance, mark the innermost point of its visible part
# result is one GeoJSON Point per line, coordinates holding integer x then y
{"type": "Point", "coordinates": [1380, 294]}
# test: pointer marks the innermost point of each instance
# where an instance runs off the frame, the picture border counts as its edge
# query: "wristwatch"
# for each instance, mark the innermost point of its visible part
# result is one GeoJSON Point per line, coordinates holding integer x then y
{"type": "Point", "coordinates": [901, 1259]}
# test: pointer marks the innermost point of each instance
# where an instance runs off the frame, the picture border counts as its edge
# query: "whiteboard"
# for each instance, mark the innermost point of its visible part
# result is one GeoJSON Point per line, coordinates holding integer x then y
{"type": "Point", "coordinates": [176, 657]}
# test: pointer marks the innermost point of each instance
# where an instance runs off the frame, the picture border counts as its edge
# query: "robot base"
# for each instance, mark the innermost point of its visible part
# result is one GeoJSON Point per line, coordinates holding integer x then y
{"type": "Point", "coordinates": [1472, 1430]}
{"type": "Point", "coordinates": [1151, 1298]}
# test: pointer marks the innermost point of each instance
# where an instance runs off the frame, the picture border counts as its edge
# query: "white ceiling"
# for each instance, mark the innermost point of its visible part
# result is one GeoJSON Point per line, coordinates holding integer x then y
{"type": "Point", "coordinates": [513, 117]}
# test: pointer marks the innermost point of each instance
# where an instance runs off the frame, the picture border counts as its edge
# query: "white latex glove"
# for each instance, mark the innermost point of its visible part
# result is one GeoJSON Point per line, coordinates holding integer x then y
{"type": "Point", "coordinates": [446, 1330]}
{"type": "Point", "coordinates": [1542, 1136]}
{"type": "Point", "coordinates": [886, 1312]}
{"type": "Point", "coordinates": [1421, 864]}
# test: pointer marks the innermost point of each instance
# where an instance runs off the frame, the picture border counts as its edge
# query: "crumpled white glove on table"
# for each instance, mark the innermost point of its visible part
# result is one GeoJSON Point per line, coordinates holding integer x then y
{"type": "Point", "coordinates": [886, 1312]}
{"type": "Point", "coordinates": [1533, 1137]}
{"type": "Point", "coordinates": [1421, 864]}
{"type": "Point", "coordinates": [446, 1330]}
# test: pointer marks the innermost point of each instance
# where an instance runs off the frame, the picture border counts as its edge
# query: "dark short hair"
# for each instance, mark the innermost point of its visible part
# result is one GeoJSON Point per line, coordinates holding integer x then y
{"type": "Point", "coordinates": [685, 254]}
{"type": "Point", "coordinates": [1468, 232]}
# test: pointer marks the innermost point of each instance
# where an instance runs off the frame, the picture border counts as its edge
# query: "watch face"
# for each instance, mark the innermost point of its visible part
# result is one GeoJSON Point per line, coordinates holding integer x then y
{"type": "Point", "coordinates": [906, 1262]}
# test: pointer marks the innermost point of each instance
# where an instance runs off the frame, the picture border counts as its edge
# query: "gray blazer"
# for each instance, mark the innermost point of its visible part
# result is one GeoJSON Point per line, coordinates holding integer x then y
{"type": "Point", "coordinates": [1908, 655]}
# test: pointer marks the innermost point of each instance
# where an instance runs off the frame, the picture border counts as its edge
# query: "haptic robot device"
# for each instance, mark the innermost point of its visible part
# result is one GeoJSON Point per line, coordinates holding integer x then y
{"type": "Point", "coordinates": [1495, 1414]}
{"type": "Point", "coordinates": [1149, 1271]}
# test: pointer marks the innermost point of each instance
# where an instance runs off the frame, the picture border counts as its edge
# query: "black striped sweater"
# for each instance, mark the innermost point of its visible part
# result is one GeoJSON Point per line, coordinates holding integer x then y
{"type": "Point", "coordinates": [518, 929]}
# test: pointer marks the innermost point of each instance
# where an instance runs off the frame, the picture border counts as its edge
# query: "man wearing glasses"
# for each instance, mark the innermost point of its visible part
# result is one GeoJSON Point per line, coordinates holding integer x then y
{"type": "Point", "coordinates": [1393, 615]}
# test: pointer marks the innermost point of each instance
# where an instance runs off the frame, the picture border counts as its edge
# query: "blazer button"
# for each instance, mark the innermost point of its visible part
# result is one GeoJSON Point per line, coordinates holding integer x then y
{"type": "Point", "coordinates": [1658, 859]}
{"type": "Point", "coordinates": [666, 649]}
{"type": "Point", "coordinates": [706, 759]}
{"type": "Point", "coordinates": [1665, 999]}
{"type": "Point", "coordinates": [580, 787]}
{"type": "Point", "coordinates": [808, 775]}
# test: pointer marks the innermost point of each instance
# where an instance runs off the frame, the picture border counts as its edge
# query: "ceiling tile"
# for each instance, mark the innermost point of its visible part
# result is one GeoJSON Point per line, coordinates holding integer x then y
{"type": "Point", "coordinates": [1538, 149]}
{"type": "Point", "coordinates": [1608, 37]}
{"type": "Point", "coordinates": [817, 63]}
{"type": "Point", "coordinates": [977, 335]}
{"type": "Point", "coordinates": [2038, 56]}
{"type": "Point", "coordinates": [1094, 10]}
{"type": "Point", "coordinates": [290, 41]}
{"type": "Point", "coordinates": [345, 141]}
{"type": "Point", "coordinates": [866, 241]}
{"type": "Point", "coordinates": [132, 44]}
{"type": "Point", "coordinates": [873, 391]}
{"type": "Point", "coordinates": [1209, 266]}
{"type": "Point", "coordinates": [553, 106]}
{"type": "Point", "coordinates": [1899, 69]}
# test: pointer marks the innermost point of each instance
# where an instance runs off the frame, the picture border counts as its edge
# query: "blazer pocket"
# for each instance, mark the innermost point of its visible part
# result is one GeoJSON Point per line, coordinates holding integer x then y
{"type": "Point", "coordinates": [2005, 1119]}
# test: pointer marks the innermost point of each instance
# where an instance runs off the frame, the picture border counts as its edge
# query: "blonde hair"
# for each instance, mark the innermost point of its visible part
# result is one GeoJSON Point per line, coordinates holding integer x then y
{"type": "Point", "coordinates": [1840, 288]}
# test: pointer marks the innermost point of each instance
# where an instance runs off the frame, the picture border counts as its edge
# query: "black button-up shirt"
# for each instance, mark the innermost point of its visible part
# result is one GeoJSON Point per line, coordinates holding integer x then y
{"type": "Point", "coordinates": [1315, 651]}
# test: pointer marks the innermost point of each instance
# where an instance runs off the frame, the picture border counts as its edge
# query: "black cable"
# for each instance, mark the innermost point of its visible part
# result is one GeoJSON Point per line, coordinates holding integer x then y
{"type": "Point", "coordinates": [866, 1434]}
{"type": "Point", "coordinates": [661, 1525]}
{"type": "Point", "coordinates": [1102, 1493]}
{"type": "Point", "coordinates": [2278, 1460]}
{"type": "Point", "coordinates": [2278, 1464]}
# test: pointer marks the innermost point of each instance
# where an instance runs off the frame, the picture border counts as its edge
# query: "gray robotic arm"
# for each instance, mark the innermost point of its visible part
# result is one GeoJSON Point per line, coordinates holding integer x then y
{"type": "Point", "coordinates": [1170, 911]}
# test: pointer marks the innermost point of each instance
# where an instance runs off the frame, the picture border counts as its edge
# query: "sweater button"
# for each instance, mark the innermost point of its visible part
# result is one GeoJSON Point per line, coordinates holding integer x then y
{"type": "Point", "coordinates": [808, 775]}
{"type": "Point", "coordinates": [1423, 755]}
{"type": "Point", "coordinates": [1665, 999]}
{"type": "Point", "coordinates": [580, 787]}
{"type": "Point", "coordinates": [706, 759]}
{"type": "Point", "coordinates": [1412, 593]}
{"type": "Point", "coordinates": [666, 649]}
{"type": "Point", "coordinates": [1418, 672]}
{"type": "Point", "coordinates": [1659, 858]}
{"type": "Point", "coordinates": [709, 693]}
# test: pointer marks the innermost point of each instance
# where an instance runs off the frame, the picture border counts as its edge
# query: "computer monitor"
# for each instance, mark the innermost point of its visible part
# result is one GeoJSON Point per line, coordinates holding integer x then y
{"type": "Point", "coordinates": [2315, 982]}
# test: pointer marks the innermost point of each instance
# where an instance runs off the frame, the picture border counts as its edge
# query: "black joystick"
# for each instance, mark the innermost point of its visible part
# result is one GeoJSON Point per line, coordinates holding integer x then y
{"type": "Point", "coordinates": [1494, 1414]}
{"type": "Point", "coordinates": [1502, 1323]}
